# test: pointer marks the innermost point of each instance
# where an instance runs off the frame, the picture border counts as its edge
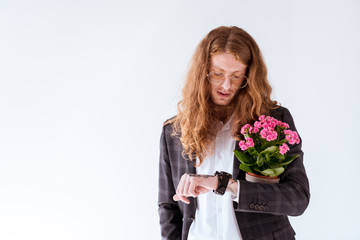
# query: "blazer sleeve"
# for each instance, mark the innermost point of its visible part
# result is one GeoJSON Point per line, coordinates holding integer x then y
{"type": "Point", "coordinates": [169, 211]}
{"type": "Point", "coordinates": [290, 196]}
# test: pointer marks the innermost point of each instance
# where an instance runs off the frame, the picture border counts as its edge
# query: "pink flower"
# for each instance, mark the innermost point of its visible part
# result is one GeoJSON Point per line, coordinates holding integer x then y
{"type": "Point", "coordinates": [283, 125]}
{"type": "Point", "coordinates": [284, 148]}
{"type": "Point", "coordinates": [263, 133]}
{"type": "Point", "coordinates": [244, 145]}
{"type": "Point", "coordinates": [249, 142]}
{"type": "Point", "coordinates": [292, 137]}
{"type": "Point", "coordinates": [287, 131]}
{"type": "Point", "coordinates": [256, 130]}
{"type": "Point", "coordinates": [271, 136]}
{"type": "Point", "coordinates": [268, 133]}
{"type": "Point", "coordinates": [297, 139]}
{"type": "Point", "coordinates": [251, 129]}
{"type": "Point", "coordinates": [262, 118]}
{"type": "Point", "coordinates": [244, 128]}
{"type": "Point", "coordinates": [270, 122]}
{"type": "Point", "coordinates": [258, 124]}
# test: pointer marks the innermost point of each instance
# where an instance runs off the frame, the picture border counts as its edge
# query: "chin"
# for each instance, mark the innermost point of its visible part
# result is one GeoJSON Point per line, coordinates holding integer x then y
{"type": "Point", "coordinates": [222, 103]}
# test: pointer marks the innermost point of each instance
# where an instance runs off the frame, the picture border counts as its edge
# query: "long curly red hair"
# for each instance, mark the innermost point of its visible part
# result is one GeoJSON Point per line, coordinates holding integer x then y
{"type": "Point", "coordinates": [196, 109]}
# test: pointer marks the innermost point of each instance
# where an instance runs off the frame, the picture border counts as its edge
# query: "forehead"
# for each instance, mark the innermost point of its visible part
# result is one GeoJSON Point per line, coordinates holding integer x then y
{"type": "Point", "coordinates": [226, 62]}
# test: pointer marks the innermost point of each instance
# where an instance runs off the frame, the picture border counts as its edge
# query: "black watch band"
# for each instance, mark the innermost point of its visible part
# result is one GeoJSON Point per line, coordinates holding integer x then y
{"type": "Point", "coordinates": [223, 180]}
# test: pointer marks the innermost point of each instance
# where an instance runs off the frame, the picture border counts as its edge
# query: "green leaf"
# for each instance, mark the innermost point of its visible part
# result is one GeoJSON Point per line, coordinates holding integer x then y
{"type": "Point", "coordinates": [279, 156]}
{"type": "Point", "coordinates": [260, 160]}
{"type": "Point", "coordinates": [243, 157]}
{"type": "Point", "coordinates": [273, 172]}
{"type": "Point", "coordinates": [245, 168]}
{"type": "Point", "coordinates": [256, 169]}
{"type": "Point", "coordinates": [268, 144]}
{"type": "Point", "coordinates": [288, 160]}
{"type": "Point", "coordinates": [273, 165]}
{"type": "Point", "coordinates": [270, 149]}
{"type": "Point", "coordinates": [252, 151]}
{"type": "Point", "coordinates": [268, 156]}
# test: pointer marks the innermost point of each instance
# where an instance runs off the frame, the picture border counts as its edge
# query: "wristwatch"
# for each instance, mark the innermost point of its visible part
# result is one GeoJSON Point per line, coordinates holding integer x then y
{"type": "Point", "coordinates": [223, 180]}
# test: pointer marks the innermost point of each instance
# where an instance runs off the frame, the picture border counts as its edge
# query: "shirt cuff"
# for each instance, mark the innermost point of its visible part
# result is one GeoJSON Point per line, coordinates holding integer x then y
{"type": "Point", "coordinates": [236, 198]}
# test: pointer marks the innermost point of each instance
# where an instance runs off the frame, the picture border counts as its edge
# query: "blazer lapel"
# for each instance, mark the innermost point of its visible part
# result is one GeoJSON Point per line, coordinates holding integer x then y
{"type": "Point", "coordinates": [190, 168]}
{"type": "Point", "coordinates": [237, 174]}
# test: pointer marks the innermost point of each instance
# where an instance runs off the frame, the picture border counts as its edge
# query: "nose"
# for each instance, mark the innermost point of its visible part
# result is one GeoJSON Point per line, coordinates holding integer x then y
{"type": "Point", "coordinates": [226, 84]}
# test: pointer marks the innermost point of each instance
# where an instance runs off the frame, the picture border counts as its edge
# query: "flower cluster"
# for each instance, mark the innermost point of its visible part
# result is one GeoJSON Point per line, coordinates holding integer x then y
{"type": "Point", "coordinates": [265, 145]}
{"type": "Point", "coordinates": [284, 148]}
{"type": "Point", "coordinates": [246, 144]}
{"type": "Point", "coordinates": [292, 137]}
{"type": "Point", "coordinates": [267, 129]}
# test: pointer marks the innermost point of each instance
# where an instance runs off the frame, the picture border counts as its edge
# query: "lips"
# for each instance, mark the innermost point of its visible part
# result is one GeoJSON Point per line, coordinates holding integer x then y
{"type": "Point", "coordinates": [223, 94]}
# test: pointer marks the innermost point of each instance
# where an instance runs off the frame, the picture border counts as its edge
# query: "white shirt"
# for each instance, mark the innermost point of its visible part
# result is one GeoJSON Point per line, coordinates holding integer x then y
{"type": "Point", "coordinates": [215, 216]}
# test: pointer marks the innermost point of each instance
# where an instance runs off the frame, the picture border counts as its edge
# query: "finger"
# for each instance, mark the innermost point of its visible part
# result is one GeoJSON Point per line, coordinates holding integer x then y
{"type": "Point", "coordinates": [187, 185]}
{"type": "Point", "coordinates": [176, 197]}
{"type": "Point", "coordinates": [192, 187]}
{"type": "Point", "coordinates": [180, 189]}
{"type": "Point", "coordinates": [183, 193]}
{"type": "Point", "coordinates": [183, 199]}
{"type": "Point", "coordinates": [180, 185]}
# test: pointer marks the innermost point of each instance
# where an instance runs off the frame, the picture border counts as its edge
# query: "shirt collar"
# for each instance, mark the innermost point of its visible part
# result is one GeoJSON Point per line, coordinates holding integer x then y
{"type": "Point", "coordinates": [224, 126]}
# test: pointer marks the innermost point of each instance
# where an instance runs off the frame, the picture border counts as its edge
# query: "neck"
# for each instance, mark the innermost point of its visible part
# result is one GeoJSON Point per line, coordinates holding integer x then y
{"type": "Point", "coordinates": [222, 113]}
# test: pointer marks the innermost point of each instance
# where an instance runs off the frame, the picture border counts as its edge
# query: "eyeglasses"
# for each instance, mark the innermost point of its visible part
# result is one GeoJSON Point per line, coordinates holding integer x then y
{"type": "Point", "coordinates": [217, 78]}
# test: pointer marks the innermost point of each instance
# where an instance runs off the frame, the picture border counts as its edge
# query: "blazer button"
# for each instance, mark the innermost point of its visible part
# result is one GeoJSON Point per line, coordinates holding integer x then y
{"type": "Point", "coordinates": [252, 206]}
{"type": "Point", "coordinates": [256, 207]}
{"type": "Point", "coordinates": [261, 207]}
{"type": "Point", "coordinates": [266, 208]}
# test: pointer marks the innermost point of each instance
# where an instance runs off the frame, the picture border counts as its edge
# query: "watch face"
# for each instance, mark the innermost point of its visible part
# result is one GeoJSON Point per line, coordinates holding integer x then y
{"type": "Point", "coordinates": [223, 179]}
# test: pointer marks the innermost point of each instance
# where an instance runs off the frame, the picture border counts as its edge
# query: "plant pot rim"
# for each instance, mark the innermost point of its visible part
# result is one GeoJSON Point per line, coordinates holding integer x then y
{"type": "Point", "coordinates": [261, 176]}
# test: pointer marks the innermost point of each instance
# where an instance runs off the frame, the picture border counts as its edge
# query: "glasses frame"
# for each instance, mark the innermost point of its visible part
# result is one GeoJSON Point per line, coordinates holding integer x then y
{"type": "Point", "coordinates": [208, 77]}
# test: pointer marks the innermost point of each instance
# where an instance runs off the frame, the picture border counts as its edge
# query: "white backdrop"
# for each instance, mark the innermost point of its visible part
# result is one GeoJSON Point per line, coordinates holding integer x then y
{"type": "Point", "coordinates": [86, 85]}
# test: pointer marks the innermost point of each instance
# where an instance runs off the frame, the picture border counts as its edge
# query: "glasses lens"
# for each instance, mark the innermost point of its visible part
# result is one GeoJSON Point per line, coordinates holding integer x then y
{"type": "Point", "coordinates": [238, 79]}
{"type": "Point", "coordinates": [216, 78]}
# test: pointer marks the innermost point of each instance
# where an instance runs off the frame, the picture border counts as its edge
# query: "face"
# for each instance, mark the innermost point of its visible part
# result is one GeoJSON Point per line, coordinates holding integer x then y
{"type": "Point", "coordinates": [228, 65]}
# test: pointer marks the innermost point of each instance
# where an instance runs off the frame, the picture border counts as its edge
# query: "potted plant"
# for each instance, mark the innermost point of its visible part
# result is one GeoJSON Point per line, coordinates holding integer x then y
{"type": "Point", "coordinates": [263, 150]}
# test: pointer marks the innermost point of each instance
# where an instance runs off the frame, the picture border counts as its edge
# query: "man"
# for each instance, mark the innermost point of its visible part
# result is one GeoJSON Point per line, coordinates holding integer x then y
{"type": "Point", "coordinates": [226, 87]}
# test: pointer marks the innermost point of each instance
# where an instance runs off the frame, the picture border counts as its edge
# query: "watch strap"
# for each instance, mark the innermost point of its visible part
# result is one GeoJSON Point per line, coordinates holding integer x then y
{"type": "Point", "coordinates": [223, 180]}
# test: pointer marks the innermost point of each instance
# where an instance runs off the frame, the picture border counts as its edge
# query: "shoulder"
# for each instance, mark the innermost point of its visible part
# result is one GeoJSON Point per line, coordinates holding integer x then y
{"type": "Point", "coordinates": [283, 114]}
{"type": "Point", "coordinates": [168, 124]}
{"type": "Point", "coordinates": [169, 139]}
{"type": "Point", "coordinates": [169, 129]}
{"type": "Point", "coordinates": [169, 121]}
{"type": "Point", "coordinates": [280, 112]}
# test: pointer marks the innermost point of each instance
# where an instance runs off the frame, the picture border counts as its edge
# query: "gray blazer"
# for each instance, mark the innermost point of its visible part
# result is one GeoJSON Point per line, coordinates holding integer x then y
{"type": "Point", "coordinates": [262, 209]}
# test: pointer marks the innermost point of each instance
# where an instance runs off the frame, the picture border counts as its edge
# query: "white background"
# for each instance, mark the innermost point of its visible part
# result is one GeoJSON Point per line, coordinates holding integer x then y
{"type": "Point", "coordinates": [86, 85]}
